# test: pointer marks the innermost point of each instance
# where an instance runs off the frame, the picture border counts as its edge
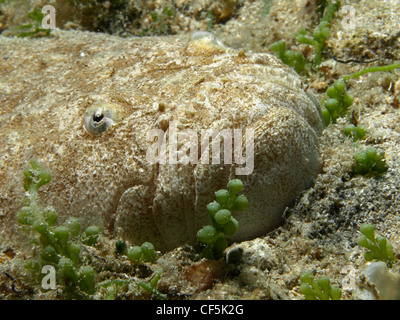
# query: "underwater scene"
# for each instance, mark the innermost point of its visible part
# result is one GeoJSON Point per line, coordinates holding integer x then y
{"type": "Point", "coordinates": [171, 150]}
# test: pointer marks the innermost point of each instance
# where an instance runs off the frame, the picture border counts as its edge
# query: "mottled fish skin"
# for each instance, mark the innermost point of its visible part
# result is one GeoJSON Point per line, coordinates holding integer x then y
{"type": "Point", "coordinates": [46, 86]}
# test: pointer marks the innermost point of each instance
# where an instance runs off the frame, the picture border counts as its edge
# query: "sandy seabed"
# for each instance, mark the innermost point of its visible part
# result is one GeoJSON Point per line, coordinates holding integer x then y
{"type": "Point", "coordinates": [320, 230]}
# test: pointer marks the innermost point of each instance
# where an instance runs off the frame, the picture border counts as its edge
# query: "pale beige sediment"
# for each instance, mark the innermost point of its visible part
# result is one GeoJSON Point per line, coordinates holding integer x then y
{"type": "Point", "coordinates": [47, 84]}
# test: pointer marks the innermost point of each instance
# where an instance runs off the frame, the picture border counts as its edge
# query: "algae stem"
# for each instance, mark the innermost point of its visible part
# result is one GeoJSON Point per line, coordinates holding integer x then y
{"type": "Point", "coordinates": [389, 67]}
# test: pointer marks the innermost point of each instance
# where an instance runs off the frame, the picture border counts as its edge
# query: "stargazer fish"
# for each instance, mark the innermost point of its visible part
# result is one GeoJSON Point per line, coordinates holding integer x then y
{"type": "Point", "coordinates": [122, 123]}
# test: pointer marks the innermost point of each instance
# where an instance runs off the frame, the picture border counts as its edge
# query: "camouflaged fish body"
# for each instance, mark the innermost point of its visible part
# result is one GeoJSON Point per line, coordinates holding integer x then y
{"type": "Point", "coordinates": [52, 89]}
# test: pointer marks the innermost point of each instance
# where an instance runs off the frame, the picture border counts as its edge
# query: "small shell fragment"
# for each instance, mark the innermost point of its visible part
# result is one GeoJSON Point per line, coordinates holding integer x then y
{"type": "Point", "coordinates": [204, 41]}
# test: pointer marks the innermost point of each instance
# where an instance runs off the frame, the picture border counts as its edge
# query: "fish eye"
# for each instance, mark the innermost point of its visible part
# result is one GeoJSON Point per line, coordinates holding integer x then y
{"type": "Point", "coordinates": [98, 116]}
{"type": "Point", "coordinates": [101, 116]}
